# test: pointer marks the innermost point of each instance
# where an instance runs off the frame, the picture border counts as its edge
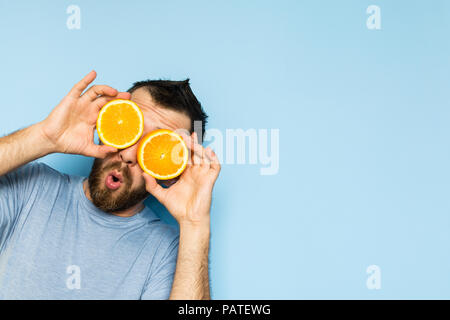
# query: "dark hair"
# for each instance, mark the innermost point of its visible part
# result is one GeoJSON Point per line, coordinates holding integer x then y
{"type": "Point", "coordinates": [177, 96]}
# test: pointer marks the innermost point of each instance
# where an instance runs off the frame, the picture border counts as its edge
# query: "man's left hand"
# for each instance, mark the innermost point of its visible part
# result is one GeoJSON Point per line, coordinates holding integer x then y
{"type": "Point", "coordinates": [189, 199]}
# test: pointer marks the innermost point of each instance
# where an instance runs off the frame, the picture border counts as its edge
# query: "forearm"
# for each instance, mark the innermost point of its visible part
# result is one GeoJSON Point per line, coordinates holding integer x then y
{"type": "Point", "coordinates": [191, 281]}
{"type": "Point", "coordinates": [23, 146]}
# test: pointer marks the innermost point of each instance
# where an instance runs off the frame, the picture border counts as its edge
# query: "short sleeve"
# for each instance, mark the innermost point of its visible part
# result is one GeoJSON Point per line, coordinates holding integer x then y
{"type": "Point", "coordinates": [16, 188]}
{"type": "Point", "coordinates": [159, 285]}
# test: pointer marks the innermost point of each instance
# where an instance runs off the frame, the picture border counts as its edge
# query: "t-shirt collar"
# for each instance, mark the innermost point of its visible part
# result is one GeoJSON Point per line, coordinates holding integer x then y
{"type": "Point", "coordinates": [145, 214]}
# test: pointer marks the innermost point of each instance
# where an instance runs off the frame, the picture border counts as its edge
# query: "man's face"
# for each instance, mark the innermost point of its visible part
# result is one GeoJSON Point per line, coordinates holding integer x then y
{"type": "Point", "coordinates": [123, 165]}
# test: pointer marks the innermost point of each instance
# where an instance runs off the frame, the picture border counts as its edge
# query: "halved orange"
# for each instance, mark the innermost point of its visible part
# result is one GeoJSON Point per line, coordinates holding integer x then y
{"type": "Point", "coordinates": [120, 123]}
{"type": "Point", "coordinates": [163, 154]}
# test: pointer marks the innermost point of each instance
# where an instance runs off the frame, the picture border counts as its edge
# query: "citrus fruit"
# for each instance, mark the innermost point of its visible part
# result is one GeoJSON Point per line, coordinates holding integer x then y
{"type": "Point", "coordinates": [163, 154]}
{"type": "Point", "coordinates": [120, 123]}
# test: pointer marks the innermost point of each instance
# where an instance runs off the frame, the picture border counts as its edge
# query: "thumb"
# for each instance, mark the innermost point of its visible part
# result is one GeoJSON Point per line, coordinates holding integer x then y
{"type": "Point", "coordinates": [154, 188]}
{"type": "Point", "coordinates": [99, 151]}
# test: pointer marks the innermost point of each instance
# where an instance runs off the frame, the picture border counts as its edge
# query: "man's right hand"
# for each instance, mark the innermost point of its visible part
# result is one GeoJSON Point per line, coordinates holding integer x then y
{"type": "Point", "coordinates": [69, 128]}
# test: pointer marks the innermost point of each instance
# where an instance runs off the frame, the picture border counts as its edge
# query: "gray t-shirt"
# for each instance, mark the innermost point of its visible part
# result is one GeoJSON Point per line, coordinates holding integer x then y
{"type": "Point", "coordinates": [55, 244]}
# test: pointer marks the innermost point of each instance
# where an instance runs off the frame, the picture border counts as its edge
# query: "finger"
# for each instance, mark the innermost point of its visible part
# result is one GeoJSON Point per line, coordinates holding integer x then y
{"type": "Point", "coordinates": [99, 151]}
{"type": "Point", "coordinates": [152, 186]}
{"type": "Point", "coordinates": [195, 137]}
{"type": "Point", "coordinates": [78, 89]}
{"type": "Point", "coordinates": [195, 149]}
{"type": "Point", "coordinates": [99, 90]}
{"type": "Point", "coordinates": [206, 161]}
{"type": "Point", "coordinates": [197, 154]}
{"type": "Point", "coordinates": [101, 101]}
{"type": "Point", "coordinates": [124, 95]}
{"type": "Point", "coordinates": [215, 163]}
{"type": "Point", "coordinates": [188, 141]}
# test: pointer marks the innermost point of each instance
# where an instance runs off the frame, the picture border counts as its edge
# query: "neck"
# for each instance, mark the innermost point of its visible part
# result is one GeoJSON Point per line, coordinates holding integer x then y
{"type": "Point", "coordinates": [125, 213]}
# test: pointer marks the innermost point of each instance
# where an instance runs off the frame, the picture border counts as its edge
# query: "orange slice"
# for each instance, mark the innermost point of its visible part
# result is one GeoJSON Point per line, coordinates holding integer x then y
{"type": "Point", "coordinates": [163, 154]}
{"type": "Point", "coordinates": [120, 123]}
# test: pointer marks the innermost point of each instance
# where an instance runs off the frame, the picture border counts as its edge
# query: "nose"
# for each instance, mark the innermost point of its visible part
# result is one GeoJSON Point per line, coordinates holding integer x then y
{"type": "Point", "coordinates": [128, 155]}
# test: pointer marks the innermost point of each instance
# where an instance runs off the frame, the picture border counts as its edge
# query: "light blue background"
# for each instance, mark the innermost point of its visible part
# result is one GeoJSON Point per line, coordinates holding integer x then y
{"type": "Point", "coordinates": [363, 118]}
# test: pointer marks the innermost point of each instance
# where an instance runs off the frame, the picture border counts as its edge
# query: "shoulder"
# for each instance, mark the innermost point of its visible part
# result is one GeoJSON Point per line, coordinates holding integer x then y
{"type": "Point", "coordinates": [37, 168]}
{"type": "Point", "coordinates": [40, 178]}
{"type": "Point", "coordinates": [23, 186]}
{"type": "Point", "coordinates": [29, 173]}
{"type": "Point", "coordinates": [45, 170]}
{"type": "Point", "coordinates": [49, 177]}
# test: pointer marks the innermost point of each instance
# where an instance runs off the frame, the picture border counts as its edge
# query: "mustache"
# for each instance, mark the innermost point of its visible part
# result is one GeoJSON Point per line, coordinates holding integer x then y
{"type": "Point", "coordinates": [117, 165]}
{"type": "Point", "coordinates": [103, 198]}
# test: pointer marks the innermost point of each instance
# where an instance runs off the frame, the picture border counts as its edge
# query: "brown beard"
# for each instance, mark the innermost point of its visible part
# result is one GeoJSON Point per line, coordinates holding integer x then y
{"type": "Point", "coordinates": [114, 200]}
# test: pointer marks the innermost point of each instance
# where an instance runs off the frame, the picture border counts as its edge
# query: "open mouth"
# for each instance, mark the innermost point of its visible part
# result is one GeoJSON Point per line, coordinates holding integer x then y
{"type": "Point", "coordinates": [113, 180]}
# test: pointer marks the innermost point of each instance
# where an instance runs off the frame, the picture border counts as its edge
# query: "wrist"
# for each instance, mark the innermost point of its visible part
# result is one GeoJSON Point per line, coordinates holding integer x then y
{"type": "Point", "coordinates": [45, 143]}
{"type": "Point", "coordinates": [202, 226]}
{"type": "Point", "coordinates": [197, 230]}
